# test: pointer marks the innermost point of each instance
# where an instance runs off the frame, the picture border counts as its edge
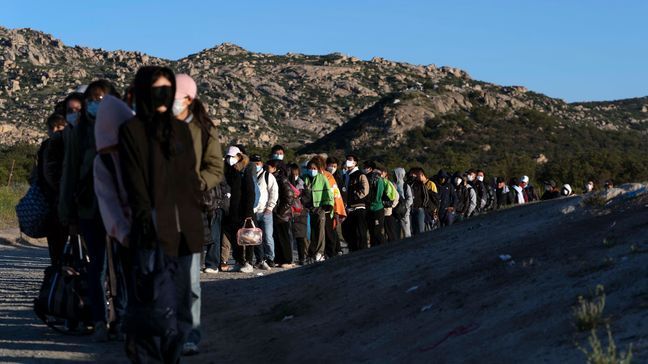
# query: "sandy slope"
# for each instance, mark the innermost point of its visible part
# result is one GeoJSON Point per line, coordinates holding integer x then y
{"type": "Point", "coordinates": [398, 303]}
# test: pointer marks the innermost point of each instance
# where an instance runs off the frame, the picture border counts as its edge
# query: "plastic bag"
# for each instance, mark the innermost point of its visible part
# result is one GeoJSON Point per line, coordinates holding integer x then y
{"type": "Point", "coordinates": [247, 236]}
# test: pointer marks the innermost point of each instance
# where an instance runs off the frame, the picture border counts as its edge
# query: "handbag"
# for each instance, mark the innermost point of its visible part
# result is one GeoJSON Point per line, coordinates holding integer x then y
{"type": "Point", "coordinates": [248, 236]}
{"type": "Point", "coordinates": [32, 211]}
{"type": "Point", "coordinates": [64, 291]}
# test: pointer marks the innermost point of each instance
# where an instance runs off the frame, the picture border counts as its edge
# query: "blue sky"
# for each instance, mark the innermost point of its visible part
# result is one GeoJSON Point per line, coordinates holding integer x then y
{"type": "Point", "coordinates": [575, 50]}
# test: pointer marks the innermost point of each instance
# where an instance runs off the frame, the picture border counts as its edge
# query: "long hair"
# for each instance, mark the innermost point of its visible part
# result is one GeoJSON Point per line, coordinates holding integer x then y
{"type": "Point", "coordinates": [200, 115]}
{"type": "Point", "coordinates": [158, 125]}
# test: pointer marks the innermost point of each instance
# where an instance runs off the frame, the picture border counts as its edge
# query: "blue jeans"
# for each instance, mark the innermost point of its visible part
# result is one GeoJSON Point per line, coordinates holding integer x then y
{"type": "Point", "coordinates": [418, 220]}
{"type": "Point", "coordinates": [194, 274]}
{"type": "Point", "coordinates": [265, 251]}
{"type": "Point", "coordinates": [212, 257]}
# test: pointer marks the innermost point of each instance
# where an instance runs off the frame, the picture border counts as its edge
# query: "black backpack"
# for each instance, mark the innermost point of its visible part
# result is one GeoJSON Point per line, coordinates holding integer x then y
{"type": "Point", "coordinates": [400, 211]}
{"type": "Point", "coordinates": [431, 200]}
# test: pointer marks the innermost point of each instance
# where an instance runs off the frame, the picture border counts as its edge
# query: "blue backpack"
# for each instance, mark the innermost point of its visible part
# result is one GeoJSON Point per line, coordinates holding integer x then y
{"type": "Point", "coordinates": [32, 212]}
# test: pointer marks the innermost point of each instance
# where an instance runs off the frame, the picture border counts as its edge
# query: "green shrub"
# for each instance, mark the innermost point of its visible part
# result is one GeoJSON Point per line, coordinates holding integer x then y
{"type": "Point", "coordinates": [601, 355]}
{"type": "Point", "coordinates": [9, 197]}
{"type": "Point", "coordinates": [589, 314]}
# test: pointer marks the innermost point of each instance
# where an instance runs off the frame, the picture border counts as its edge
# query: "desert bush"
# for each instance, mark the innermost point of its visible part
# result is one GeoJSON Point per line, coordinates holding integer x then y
{"type": "Point", "coordinates": [595, 200]}
{"type": "Point", "coordinates": [589, 314]}
{"type": "Point", "coordinates": [600, 355]}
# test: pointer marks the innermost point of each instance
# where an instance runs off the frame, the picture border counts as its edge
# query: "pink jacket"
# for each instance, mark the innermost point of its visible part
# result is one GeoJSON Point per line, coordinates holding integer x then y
{"type": "Point", "coordinates": [110, 191]}
{"type": "Point", "coordinates": [113, 201]}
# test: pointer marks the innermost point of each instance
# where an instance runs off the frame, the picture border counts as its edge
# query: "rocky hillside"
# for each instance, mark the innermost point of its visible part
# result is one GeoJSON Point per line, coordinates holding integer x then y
{"type": "Point", "coordinates": [261, 99]}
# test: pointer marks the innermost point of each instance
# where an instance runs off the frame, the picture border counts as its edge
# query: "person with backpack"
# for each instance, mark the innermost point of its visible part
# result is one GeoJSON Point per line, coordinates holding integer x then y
{"type": "Point", "coordinates": [375, 204]}
{"type": "Point", "coordinates": [354, 228]}
{"type": "Point", "coordinates": [300, 212]}
{"type": "Point", "coordinates": [77, 205]}
{"type": "Point", "coordinates": [322, 202]}
{"type": "Point", "coordinates": [447, 198]}
{"type": "Point", "coordinates": [391, 198]}
{"type": "Point", "coordinates": [269, 194]}
{"type": "Point", "coordinates": [480, 189]}
{"type": "Point", "coordinates": [402, 211]}
{"type": "Point", "coordinates": [283, 214]}
{"type": "Point", "coordinates": [487, 195]}
{"type": "Point", "coordinates": [240, 175]}
{"type": "Point", "coordinates": [48, 176]}
{"type": "Point", "coordinates": [112, 198]}
{"type": "Point", "coordinates": [159, 174]}
{"type": "Point", "coordinates": [426, 201]}
{"type": "Point", "coordinates": [187, 108]}
{"type": "Point", "coordinates": [332, 243]}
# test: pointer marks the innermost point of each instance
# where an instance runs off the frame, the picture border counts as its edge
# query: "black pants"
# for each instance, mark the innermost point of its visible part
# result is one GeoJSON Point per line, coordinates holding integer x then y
{"type": "Point", "coordinates": [376, 223]}
{"type": "Point", "coordinates": [332, 242]}
{"type": "Point", "coordinates": [392, 229]}
{"type": "Point", "coordinates": [354, 229]}
{"type": "Point", "coordinates": [318, 236]}
{"type": "Point", "coordinates": [56, 238]}
{"type": "Point", "coordinates": [166, 349]}
{"type": "Point", "coordinates": [302, 248]}
{"type": "Point", "coordinates": [283, 246]}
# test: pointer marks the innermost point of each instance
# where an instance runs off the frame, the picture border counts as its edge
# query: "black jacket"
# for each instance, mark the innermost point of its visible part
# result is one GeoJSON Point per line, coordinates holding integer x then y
{"type": "Point", "coordinates": [158, 168]}
{"type": "Point", "coordinates": [240, 178]}
{"type": "Point", "coordinates": [283, 210]}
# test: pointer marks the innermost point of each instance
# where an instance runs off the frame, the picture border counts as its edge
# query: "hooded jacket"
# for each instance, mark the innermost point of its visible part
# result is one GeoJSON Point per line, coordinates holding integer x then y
{"type": "Point", "coordinates": [109, 187]}
{"type": "Point", "coordinates": [240, 178]}
{"type": "Point", "coordinates": [283, 210]}
{"type": "Point", "coordinates": [404, 190]}
{"type": "Point", "coordinates": [158, 168]}
{"type": "Point", "coordinates": [269, 192]}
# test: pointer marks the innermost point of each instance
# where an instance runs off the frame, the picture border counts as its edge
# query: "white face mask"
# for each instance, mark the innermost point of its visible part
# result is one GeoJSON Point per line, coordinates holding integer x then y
{"type": "Point", "coordinates": [232, 161]}
{"type": "Point", "coordinates": [350, 164]}
{"type": "Point", "coordinates": [178, 107]}
{"type": "Point", "coordinates": [480, 178]}
{"type": "Point", "coordinates": [458, 181]}
{"type": "Point", "coordinates": [589, 187]}
{"type": "Point", "coordinates": [471, 178]}
{"type": "Point", "coordinates": [331, 169]}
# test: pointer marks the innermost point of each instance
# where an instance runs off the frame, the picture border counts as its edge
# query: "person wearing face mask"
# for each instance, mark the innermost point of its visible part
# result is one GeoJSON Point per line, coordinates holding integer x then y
{"type": "Point", "coordinates": [462, 203]}
{"type": "Point", "coordinates": [376, 208]}
{"type": "Point", "coordinates": [164, 195]}
{"type": "Point", "coordinates": [300, 218]}
{"type": "Point", "coordinates": [503, 195]}
{"type": "Point", "coordinates": [77, 205]}
{"type": "Point", "coordinates": [404, 208]}
{"type": "Point", "coordinates": [566, 190]}
{"type": "Point", "coordinates": [282, 215]}
{"type": "Point", "coordinates": [336, 217]}
{"type": "Point", "coordinates": [447, 198]}
{"type": "Point", "coordinates": [73, 104]}
{"type": "Point", "coordinates": [517, 192]}
{"type": "Point", "coordinates": [268, 197]}
{"type": "Point", "coordinates": [426, 201]}
{"type": "Point", "coordinates": [488, 194]}
{"type": "Point", "coordinates": [322, 202]}
{"type": "Point", "coordinates": [333, 166]}
{"type": "Point", "coordinates": [48, 174]}
{"type": "Point", "coordinates": [278, 153]}
{"type": "Point", "coordinates": [354, 228]}
{"type": "Point", "coordinates": [528, 190]}
{"type": "Point", "coordinates": [479, 188]}
{"type": "Point", "coordinates": [240, 175]}
{"type": "Point", "coordinates": [189, 109]}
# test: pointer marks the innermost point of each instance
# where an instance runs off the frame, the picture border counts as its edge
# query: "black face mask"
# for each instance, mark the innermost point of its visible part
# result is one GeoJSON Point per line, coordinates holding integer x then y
{"type": "Point", "coordinates": [162, 96]}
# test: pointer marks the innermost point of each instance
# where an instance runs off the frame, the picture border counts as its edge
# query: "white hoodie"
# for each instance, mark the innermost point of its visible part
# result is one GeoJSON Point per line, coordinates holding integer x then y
{"type": "Point", "coordinates": [269, 192]}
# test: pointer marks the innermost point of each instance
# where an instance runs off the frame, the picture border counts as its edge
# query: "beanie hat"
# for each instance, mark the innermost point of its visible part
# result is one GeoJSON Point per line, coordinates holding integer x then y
{"type": "Point", "coordinates": [112, 112]}
{"type": "Point", "coordinates": [185, 86]}
{"type": "Point", "coordinates": [256, 158]}
{"type": "Point", "coordinates": [233, 151]}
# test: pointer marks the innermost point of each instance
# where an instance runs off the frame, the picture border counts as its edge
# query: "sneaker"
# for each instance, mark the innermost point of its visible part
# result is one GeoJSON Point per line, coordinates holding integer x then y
{"type": "Point", "coordinates": [263, 266]}
{"type": "Point", "coordinates": [225, 268]}
{"type": "Point", "coordinates": [319, 257]}
{"type": "Point", "coordinates": [271, 263]}
{"type": "Point", "coordinates": [210, 270]}
{"type": "Point", "coordinates": [246, 268]}
{"type": "Point", "coordinates": [287, 265]}
{"type": "Point", "coordinates": [100, 332]}
{"type": "Point", "coordinates": [190, 348]}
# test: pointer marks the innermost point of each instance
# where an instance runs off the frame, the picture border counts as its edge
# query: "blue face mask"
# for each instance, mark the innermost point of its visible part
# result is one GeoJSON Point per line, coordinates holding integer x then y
{"type": "Point", "coordinates": [92, 108]}
{"type": "Point", "coordinates": [278, 157]}
{"type": "Point", "coordinates": [259, 169]}
{"type": "Point", "coordinates": [72, 118]}
{"type": "Point", "coordinates": [313, 172]}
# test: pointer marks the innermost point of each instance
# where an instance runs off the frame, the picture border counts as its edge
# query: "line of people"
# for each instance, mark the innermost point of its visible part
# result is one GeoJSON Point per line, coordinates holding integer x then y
{"type": "Point", "coordinates": [145, 176]}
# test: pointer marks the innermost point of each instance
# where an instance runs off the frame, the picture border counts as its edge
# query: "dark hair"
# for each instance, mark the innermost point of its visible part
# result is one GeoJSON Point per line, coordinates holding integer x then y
{"type": "Point", "coordinates": [418, 170]}
{"type": "Point", "coordinates": [273, 163]}
{"type": "Point", "coordinates": [55, 120]}
{"type": "Point", "coordinates": [241, 147]}
{"type": "Point", "coordinates": [332, 160]}
{"type": "Point", "coordinates": [200, 115]}
{"type": "Point", "coordinates": [370, 164]}
{"type": "Point", "coordinates": [158, 125]}
{"type": "Point", "coordinates": [73, 96]}
{"type": "Point", "coordinates": [481, 171]}
{"type": "Point", "coordinates": [104, 85]}
{"type": "Point", "coordinates": [292, 166]}
{"type": "Point", "coordinates": [277, 148]}
{"type": "Point", "coordinates": [353, 157]}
